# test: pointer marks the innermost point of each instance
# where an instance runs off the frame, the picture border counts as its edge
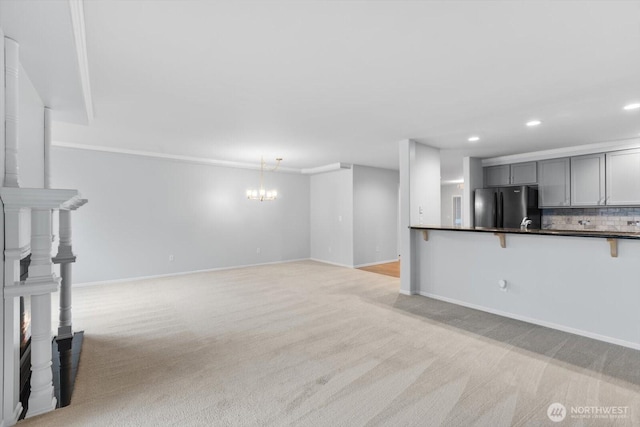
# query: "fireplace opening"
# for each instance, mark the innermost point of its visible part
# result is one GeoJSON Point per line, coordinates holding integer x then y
{"type": "Point", "coordinates": [25, 337]}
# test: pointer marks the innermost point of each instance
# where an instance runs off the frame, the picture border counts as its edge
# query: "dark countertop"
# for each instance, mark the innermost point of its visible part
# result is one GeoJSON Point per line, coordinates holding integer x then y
{"type": "Point", "coordinates": [544, 232]}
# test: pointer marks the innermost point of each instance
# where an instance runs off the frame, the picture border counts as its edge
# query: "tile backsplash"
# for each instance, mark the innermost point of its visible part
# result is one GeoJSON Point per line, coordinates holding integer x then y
{"type": "Point", "coordinates": [603, 219]}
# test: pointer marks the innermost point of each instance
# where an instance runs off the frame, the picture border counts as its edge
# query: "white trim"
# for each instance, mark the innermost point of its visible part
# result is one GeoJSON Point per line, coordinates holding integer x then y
{"type": "Point", "coordinates": [555, 153]}
{"type": "Point", "coordinates": [188, 159]}
{"type": "Point", "coordinates": [181, 273]}
{"type": "Point", "coordinates": [18, 253]}
{"type": "Point", "coordinates": [38, 198]}
{"type": "Point", "coordinates": [25, 288]}
{"type": "Point", "coordinates": [376, 263]}
{"type": "Point", "coordinates": [337, 264]}
{"type": "Point", "coordinates": [403, 292]}
{"type": "Point", "coordinates": [197, 160]}
{"type": "Point", "coordinates": [80, 36]}
{"type": "Point", "coordinates": [326, 168]}
{"type": "Point", "coordinates": [453, 210]}
{"type": "Point", "coordinates": [16, 414]}
{"type": "Point", "coordinates": [611, 340]}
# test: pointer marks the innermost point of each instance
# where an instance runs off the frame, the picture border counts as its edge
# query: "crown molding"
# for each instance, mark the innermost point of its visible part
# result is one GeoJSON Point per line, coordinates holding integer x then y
{"type": "Point", "coordinates": [621, 144]}
{"type": "Point", "coordinates": [80, 36]}
{"type": "Point", "coordinates": [197, 160]}
{"type": "Point", "coordinates": [326, 168]}
{"type": "Point", "coordinates": [153, 154]}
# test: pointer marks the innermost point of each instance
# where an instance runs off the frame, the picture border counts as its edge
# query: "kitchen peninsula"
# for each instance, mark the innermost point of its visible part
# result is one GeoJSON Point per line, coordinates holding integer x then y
{"type": "Point", "coordinates": [567, 280]}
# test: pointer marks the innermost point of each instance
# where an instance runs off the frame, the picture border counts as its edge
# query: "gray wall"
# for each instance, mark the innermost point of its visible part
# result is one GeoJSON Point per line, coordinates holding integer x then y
{"type": "Point", "coordinates": [447, 191]}
{"type": "Point", "coordinates": [332, 217]}
{"type": "Point", "coordinates": [142, 210]}
{"type": "Point", "coordinates": [375, 215]}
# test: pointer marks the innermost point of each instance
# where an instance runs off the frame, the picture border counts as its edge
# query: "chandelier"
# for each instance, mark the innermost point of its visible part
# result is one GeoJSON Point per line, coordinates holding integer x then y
{"type": "Point", "coordinates": [262, 194]}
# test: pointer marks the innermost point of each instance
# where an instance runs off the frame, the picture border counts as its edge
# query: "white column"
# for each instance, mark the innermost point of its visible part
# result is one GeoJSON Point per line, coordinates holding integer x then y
{"type": "Point", "coordinates": [11, 316]}
{"type": "Point", "coordinates": [65, 258]}
{"type": "Point", "coordinates": [47, 148]}
{"type": "Point", "coordinates": [3, 116]}
{"type": "Point", "coordinates": [407, 153]}
{"type": "Point", "coordinates": [419, 202]}
{"type": "Point", "coordinates": [12, 66]}
{"type": "Point", "coordinates": [41, 273]}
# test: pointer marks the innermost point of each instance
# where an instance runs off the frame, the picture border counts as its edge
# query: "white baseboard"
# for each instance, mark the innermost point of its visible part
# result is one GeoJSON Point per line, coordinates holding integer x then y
{"type": "Point", "coordinates": [331, 263]}
{"type": "Point", "coordinates": [403, 292]}
{"type": "Point", "coordinates": [611, 340]}
{"type": "Point", "coordinates": [376, 263]}
{"type": "Point", "coordinates": [181, 273]}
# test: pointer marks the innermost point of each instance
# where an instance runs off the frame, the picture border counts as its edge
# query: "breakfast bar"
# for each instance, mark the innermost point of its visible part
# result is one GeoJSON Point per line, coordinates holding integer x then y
{"type": "Point", "coordinates": [610, 236]}
{"type": "Point", "coordinates": [587, 285]}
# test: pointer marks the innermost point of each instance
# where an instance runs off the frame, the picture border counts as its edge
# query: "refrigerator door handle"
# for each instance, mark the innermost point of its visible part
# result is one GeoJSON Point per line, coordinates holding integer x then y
{"type": "Point", "coordinates": [500, 210]}
{"type": "Point", "coordinates": [494, 211]}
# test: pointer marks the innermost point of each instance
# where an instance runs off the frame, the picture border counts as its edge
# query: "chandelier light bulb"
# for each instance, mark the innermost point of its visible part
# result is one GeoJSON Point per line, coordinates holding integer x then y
{"type": "Point", "coordinates": [261, 194]}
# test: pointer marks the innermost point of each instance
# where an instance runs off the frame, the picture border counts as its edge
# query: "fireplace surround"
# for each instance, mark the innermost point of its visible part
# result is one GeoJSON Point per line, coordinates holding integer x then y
{"type": "Point", "coordinates": [25, 338]}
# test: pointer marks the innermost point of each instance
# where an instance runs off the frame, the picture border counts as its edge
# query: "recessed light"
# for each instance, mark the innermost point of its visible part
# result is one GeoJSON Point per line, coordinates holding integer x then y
{"type": "Point", "coordinates": [632, 106]}
{"type": "Point", "coordinates": [533, 123]}
{"type": "Point", "coordinates": [473, 138]}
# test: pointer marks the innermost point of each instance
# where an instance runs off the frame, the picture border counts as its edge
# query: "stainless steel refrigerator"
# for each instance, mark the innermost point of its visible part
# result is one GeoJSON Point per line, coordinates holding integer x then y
{"type": "Point", "coordinates": [506, 207]}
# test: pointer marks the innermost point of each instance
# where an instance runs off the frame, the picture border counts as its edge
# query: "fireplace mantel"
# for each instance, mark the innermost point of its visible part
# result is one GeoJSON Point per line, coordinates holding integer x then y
{"type": "Point", "coordinates": [39, 198]}
{"type": "Point", "coordinates": [28, 215]}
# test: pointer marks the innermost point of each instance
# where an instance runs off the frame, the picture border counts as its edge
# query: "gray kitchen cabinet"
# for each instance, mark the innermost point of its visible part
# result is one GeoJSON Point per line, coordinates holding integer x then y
{"type": "Point", "coordinates": [554, 183]}
{"type": "Point", "coordinates": [524, 173]}
{"type": "Point", "coordinates": [623, 177]}
{"type": "Point", "coordinates": [515, 174]}
{"type": "Point", "coordinates": [588, 180]}
{"type": "Point", "coordinates": [496, 176]}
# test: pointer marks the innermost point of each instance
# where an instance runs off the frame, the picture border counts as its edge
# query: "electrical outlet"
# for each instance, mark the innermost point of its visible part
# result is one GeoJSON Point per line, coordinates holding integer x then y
{"type": "Point", "coordinates": [171, 258]}
{"type": "Point", "coordinates": [258, 250]}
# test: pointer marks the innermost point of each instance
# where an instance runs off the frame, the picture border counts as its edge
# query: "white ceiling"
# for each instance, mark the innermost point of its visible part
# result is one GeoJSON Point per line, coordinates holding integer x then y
{"type": "Point", "coordinates": [45, 32]}
{"type": "Point", "coordinates": [344, 81]}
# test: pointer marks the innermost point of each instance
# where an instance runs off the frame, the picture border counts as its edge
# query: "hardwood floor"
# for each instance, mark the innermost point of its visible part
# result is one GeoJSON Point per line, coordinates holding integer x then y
{"type": "Point", "coordinates": [390, 269]}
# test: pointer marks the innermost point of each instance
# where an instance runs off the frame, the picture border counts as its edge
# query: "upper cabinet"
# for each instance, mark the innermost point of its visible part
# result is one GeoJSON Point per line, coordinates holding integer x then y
{"type": "Point", "coordinates": [623, 177]}
{"type": "Point", "coordinates": [495, 176]}
{"type": "Point", "coordinates": [599, 179]}
{"type": "Point", "coordinates": [516, 174]}
{"type": "Point", "coordinates": [554, 183]}
{"type": "Point", "coordinates": [588, 180]}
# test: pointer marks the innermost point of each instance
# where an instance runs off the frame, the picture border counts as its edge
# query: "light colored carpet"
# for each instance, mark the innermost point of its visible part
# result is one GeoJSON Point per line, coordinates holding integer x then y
{"type": "Point", "coordinates": [309, 344]}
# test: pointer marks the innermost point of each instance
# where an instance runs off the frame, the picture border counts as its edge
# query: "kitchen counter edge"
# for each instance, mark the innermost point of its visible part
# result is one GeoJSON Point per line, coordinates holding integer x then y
{"type": "Point", "coordinates": [541, 232]}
